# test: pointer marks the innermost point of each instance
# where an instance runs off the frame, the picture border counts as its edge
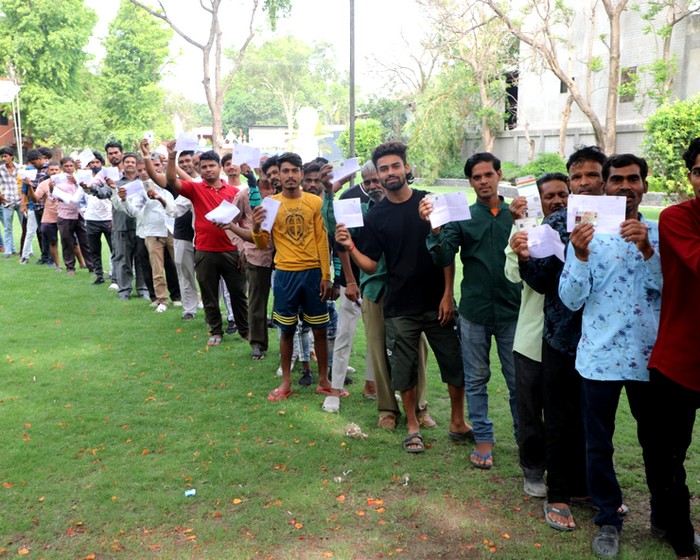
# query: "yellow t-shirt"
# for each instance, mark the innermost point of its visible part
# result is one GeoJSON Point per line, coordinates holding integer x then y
{"type": "Point", "coordinates": [300, 238]}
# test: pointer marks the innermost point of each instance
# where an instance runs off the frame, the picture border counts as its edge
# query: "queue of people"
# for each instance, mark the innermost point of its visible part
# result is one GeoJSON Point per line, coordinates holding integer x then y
{"type": "Point", "coordinates": [614, 311]}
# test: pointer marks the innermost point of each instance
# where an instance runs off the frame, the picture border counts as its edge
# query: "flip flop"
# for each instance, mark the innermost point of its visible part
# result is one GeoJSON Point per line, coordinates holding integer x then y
{"type": "Point", "coordinates": [564, 512]}
{"type": "Point", "coordinates": [278, 395]}
{"type": "Point", "coordinates": [257, 353]}
{"type": "Point", "coordinates": [462, 437]}
{"type": "Point", "coordinates": [413, 443]}
{"type": "Point", "coordinates": [483, 456]}
{"type": "Point", "coordinates": [214, 340]}
{"type": "Point", "coordinates": [322, 391]}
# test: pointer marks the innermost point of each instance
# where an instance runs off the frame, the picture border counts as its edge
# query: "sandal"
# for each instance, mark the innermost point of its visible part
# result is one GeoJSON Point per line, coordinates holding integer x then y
{"type": "Point", "coordinates": [484, 457]}
{"type": "Point", "coordinates": [214, 340]}
{"type": "Point", "coordinates": [462, 437]}
{"type": "Point", "coordinates": [387, 422]}
{"type": "Point", "coordinates": [413, 443]}
{"type": "Point", "coordinates": [257, 353]}
{"type": "Point", "coordinates": [278, 395]}
{"type": "Point", "coordinates": [564, 512]}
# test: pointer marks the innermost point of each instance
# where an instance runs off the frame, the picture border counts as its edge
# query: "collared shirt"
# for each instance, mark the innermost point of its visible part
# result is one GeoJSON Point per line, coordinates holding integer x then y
{"type": "Point", "coordinates": [620, 293]}
{"type": "Point", "coordinates": [204, 198]}
{"type": "Point", "coordinates": [69, 210]}
{"type": "Point", "coordinates": [562, 327]}
{"type": "Point", "coordinates": [9, 187]}
{"type": "Point", "coordinates": [677, 352]}
{"type": "Point", "coordinates": [528, 332]}
{"type": "Point", "coordinates": [487, 297]}
{"type": "Point", "coordinates": [151, 216]}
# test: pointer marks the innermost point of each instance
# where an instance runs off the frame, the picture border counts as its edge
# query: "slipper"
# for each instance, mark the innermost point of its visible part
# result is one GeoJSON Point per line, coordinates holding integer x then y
{"type": "Point", "coordinates": [564, 512]}
{"type": "Point", "coordinates": [370, 396]}
{"type": "Point", "coordinates": [426, 421]}
{"type": "Point", "coordinates": [387, 422]}
{"type": "Point", "coordinates": [257, 353]}
{"type": "Point", "coordinates": [331, 404]}
{"type": "Point", "coordinates": [483, 456]}
{"type": "Point", "coordinates": [462, 437]}
{"type": "Point", "coordinates": [413, 443]}
{"type": "Point", "coordinates": [278, 395]}
{"type": "Point", "coordinates": [321, 390]}
{"type": "Point", "coordinates": [214, 340]}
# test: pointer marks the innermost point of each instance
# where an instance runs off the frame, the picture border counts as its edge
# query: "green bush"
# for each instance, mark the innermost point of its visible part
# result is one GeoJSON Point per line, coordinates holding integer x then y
{"type": "Point", "coordinates": [668, 132]}
{"type": "Point", "coordinates": [510, 170]}
{"type": "Point", "coordinates": [543, 163]}
{"type": "Point", "coordinates": [369, 133]}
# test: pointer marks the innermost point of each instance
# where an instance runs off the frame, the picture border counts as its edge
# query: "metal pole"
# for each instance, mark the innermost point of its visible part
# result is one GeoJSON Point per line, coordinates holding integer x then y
{"type": "Point", "coordinates": [352, 78]}
{"type": "Point", "coordinates": [20, 144]}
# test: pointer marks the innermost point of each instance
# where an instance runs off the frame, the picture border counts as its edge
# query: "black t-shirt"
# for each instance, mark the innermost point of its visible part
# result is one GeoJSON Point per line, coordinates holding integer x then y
{"type": "Point", "coordinates": [415, 283]}
{"type": "Point", "coordinates": [353, 192]}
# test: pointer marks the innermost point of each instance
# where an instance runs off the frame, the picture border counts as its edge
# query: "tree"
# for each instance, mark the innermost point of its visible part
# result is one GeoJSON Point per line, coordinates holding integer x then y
{"type": "Point", "coordinates": [216, 83]}
{"type": "Point", "coordinates": [443, 115]}
{"type": "Point", "coordinates": [668, 133]}
{"type": "Point", "coordinates": [42, 47]}
{"type": "Point", "coordinates": [137, 50]}
{"type": "Point", "coordinates": [391, 112]}
{"type": "Point", "coordinates": [368, 135]}
{"type": "Point", "coordinates": [250, 104]}
{"type": "Point", "coordinates": [483, 43]}
{"type": "Point", "coordinates": [296, 74]}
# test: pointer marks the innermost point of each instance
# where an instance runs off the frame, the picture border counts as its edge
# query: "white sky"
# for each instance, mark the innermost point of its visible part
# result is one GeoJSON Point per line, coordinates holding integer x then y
{"type": "Point", "coordinates": [379, 28]}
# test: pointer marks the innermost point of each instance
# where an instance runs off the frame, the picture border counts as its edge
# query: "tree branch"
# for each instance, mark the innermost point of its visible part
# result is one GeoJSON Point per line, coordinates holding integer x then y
{"type": "Point", "coordinates": [164, 17]}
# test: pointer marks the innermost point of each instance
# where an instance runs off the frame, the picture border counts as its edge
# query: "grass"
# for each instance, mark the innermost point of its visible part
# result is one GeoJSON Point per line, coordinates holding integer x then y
{"type": "Point", "coordinates": [109, 412]}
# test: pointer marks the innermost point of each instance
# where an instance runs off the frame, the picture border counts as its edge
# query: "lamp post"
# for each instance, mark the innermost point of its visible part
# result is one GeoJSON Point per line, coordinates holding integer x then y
{"type": "Point", "coordinates": [352, 78]}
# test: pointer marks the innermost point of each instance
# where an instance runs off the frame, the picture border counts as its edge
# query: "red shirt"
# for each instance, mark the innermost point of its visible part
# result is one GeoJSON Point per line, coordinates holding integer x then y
{"type": "Point", "coordinates": [677, 351]}
{"type": "Point", "coordinates": [208, 237]}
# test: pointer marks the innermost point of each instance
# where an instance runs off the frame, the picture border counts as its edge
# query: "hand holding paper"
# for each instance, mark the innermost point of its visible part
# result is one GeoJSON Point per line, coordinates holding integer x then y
{"type": "Point", "coordinates": [349, 212]}
{"type": "Point", "coordinates": [344, 168]}
{"type": "Point", "coordinates": [606, 213]}
{"type": "Point", "coordinates": [186, 142]}
{"type": "Point", "coordinates": [448, 207]}
{"type": "Point", "coordinates": [271, 207]}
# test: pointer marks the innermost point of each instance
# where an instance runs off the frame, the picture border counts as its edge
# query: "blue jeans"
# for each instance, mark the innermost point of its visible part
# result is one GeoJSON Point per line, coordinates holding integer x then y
{"type": "Point", "coordinates": [476, 348]}
{"type": "Point", "coordinates": [7, 218]}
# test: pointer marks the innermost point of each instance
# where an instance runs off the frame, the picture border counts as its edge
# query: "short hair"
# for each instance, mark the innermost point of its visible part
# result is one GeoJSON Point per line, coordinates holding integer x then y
{"type": "Point", "coordinates": [7, 150]}
{"type": "Point", "coordinates": [114, 144]}
{"type": "Point", "coordinates": [547, 177]}
{"type": "Point", "coordinates": [65, 160]}
{"type": "Point", "coordinates": [98, 156]}
{"type": "Point", "coordinates": [46, 152]}
{"type": "Point", "coordinates": [368, 168]}
{"type": "Point", "coordinates": [321, 160]}
{"type": "Point", "coordinates": [34, 154]}
{"type": "Point", "coordinates": [53, 164]}
{"type": "Point", "coordinates": [291, 158]}
{"type": "Point", "coordinates": [311, 167]}
{"type": "Point", "coordinates": [226, 158]}
{"type": "Point", "coordinates": [132, 155]}
{"type": "Point", "coordinates": [481, 157]}
{"type": "Point", "coordinates": [185, 153]}
{"type": "Point", "coordinates": [691, 154]}
{"type": "Point", "coordinates": [211, 155]}
{"type": "Point", "coordinates": [585, 153]}
{"type": "Point", "coordinates": [269, 162]}
{"type": "Point", "coordinates": [623, 160]}
{"type": "Point", "coordinates": [389, 149]}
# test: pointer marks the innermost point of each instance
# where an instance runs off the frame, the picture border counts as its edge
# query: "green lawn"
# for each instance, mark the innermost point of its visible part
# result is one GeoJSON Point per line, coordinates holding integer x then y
{"type": "Point", "coordinates": [110, 412]}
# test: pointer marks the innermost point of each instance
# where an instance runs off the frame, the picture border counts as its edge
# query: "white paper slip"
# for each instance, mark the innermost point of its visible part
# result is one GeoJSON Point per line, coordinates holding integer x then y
{"type": "Point", "coordinates": [348, 211]}
{"type": "Point", "coordinates": [527, 187]}
{"type": "Point", "coordinates": [223, 213]}
{"type": "Point", "coordinates": [186, 142]}
{"type": "Point", "coordinates": [151, 137]}
{"type": "Point", "coordinates": [135, 187]}
{"type": "Point", "coordinates": [85, 157]}
{"type": "Point", "coordinates": [77, 196]}
{"type": "Point", "coordinates": [29, 174]}
{"type": "Point", "coordinates": [83, 176]}
{"type": "Point", "coordinates": [60, 178]}
{"type": "Point", "coordinates": [246, 154]}
{"type": "Point", "coordinates": [606, 213]}
{"type": "Point", "coordinates": [543, 241]}
{"type": "Point", "coordinates": [344, 168]}
{"type": "Point", "coordinates": [272, 207]}
{"type": "Point", "coordinates": [61, 195]}
{"type": "Point", "coordinates": [448, 207]}
{"type": "Point", "coordinates": [111, 173]}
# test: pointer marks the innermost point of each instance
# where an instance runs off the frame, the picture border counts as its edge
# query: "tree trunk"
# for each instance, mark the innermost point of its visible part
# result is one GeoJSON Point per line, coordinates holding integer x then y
{"type": "Point", "coordinates": [614, 13]}
{"type": "Point", "coordinates": [565, 125]}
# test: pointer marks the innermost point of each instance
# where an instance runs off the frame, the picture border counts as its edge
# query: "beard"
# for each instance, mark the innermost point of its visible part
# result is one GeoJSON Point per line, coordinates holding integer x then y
{"type": "Point", "coordinates": [394, 184]}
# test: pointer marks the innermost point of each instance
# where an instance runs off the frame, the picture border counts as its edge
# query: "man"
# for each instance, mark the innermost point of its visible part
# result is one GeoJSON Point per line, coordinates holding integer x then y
{"type": "Point", "coordinates": [675, 365]}
{"type": "Point", "coordinates": [71, 224]}
{"type": "Point", "coordinates": [123, 225]}
{"type": "Point", "coordinates": [215, 255]}
{"type": "Point", "coordinates": [9, 190]}
{"type": "Point", "coordinates": [489, 304]}
{"type": "Point", "coordinates": [49, 217]}
{"type": "Point", "coordinates": [115, 154]}
{"type": "Point", "coordinates": [302, 263]}
{"type": "Point", "coordinates": [419, 298]}
{"type": "Point", "coordinates": [98, 221]}
{"type": "Point", "coordinates": [38, 161]}
{"type": "Point", "coordinates": [271, 170]}
{"type": "Point", "coordinates": [527, 344]}
{"type": "Point", "coordinates": [564, 441]}
{"type": "Point", "coordinates": [616, 280]}
{"type": "Point", "coordinates": [42, 175]}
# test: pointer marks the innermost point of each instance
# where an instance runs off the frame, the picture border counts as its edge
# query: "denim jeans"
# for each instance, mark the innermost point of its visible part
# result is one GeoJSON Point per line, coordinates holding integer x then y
{"type": "Point", "coordinates": [7, 219]}
{"type": "Point", "coordinates": [476, 349]}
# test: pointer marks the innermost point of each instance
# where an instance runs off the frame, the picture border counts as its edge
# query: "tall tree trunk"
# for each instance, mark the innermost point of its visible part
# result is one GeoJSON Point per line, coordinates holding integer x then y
{"type": "Point", "coordinates": [565, 125]}
{"type": "Point", "coordinates": [614, 13]}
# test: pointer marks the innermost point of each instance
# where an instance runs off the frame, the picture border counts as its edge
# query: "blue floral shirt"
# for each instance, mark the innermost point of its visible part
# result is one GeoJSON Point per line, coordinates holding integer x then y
{"type": "Point", "coordinates": [620, 294]}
